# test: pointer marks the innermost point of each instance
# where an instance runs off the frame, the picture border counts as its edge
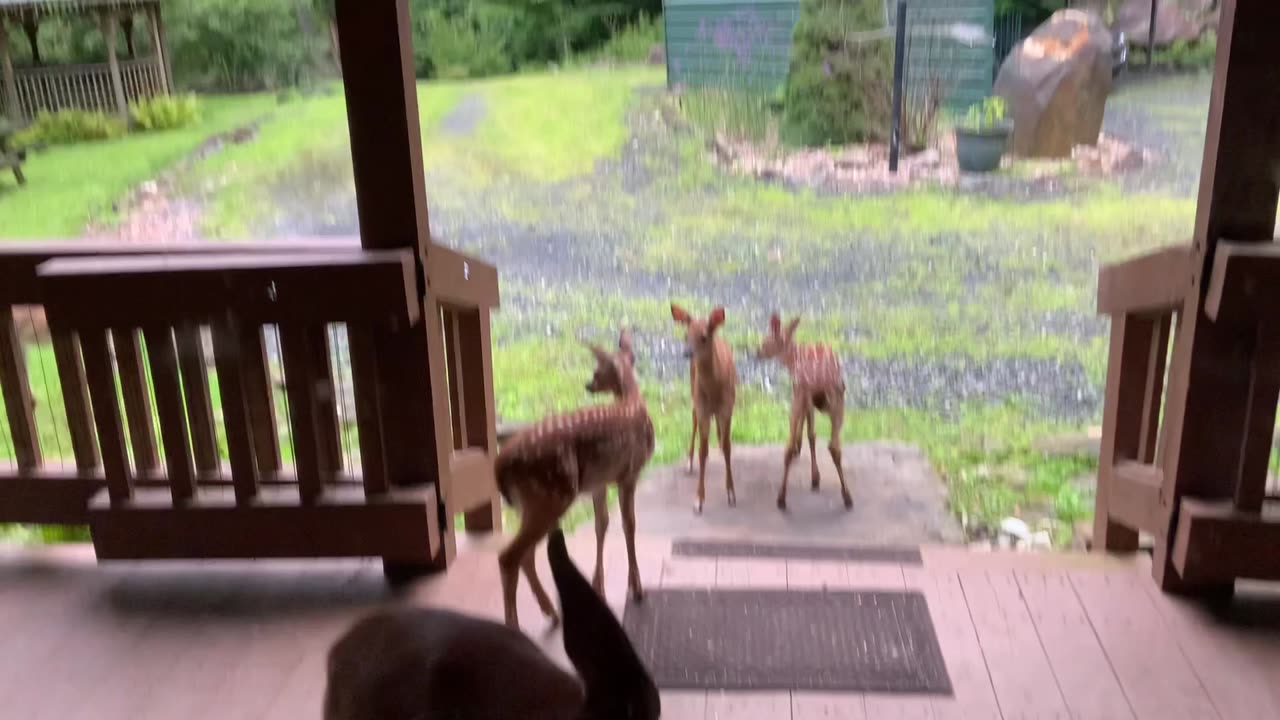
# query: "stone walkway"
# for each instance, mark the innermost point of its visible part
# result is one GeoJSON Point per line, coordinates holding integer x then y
{"type": "Point", "coordinates": [898, 499]}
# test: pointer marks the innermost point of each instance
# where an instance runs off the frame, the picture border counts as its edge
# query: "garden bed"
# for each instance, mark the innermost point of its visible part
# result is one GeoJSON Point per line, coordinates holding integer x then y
{"type": "Point", "coordinates": [865, 168]}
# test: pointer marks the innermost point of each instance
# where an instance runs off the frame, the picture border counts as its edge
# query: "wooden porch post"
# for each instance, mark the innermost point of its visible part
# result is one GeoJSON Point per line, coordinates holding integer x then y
{"type": "Point", "coordinates": [108, 24]}
{"type": "Point", "coordinates": [1208, 405]}
{"type": "Point", "coordinates": [157, 47]}
{"type": "Point", "coordinates": [7, 81]}
{"type": "Point", "coordinates": [382, 114]}
{"type": "Point", "coordinates": [162, 46]}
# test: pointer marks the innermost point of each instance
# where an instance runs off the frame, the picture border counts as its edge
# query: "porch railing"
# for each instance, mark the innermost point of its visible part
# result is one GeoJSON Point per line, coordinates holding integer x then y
{"type": "Point", "coordinates": [225, 401]}
{"type": "Point", "coordinates": [1211, 530]}
{"type": "Point", "coordinates": [85, 87]}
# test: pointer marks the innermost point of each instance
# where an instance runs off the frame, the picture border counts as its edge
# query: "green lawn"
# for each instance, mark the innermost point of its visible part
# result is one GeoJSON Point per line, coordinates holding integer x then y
{"type": "Point", "coordinates": [67, 186]}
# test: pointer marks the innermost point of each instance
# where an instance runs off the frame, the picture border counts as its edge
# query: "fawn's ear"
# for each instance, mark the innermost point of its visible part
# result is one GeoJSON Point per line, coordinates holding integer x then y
{"type": "Point", "coordinates": [611, 671]}
{"type": "Point", "coordinates": [715, 319]}
{"type": "Point", "coordinates": [791, 327]}
{"type": "Point", "coordinates": [624, 346]}
{"type": "Point", "coordinates": [601, 356]}
{"type": "Point", "coordinates": [775, 324]}
{"type": "Point", "coordinates": [680, 315]}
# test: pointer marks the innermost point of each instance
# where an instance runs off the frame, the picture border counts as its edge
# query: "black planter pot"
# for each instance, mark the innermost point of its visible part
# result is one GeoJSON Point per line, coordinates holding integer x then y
{"type": "Point", "coordinates": [979, 151]}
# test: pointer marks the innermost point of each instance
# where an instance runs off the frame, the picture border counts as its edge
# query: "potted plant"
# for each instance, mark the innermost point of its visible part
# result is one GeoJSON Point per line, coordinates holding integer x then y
{"type": "Point", "coordinates": [982, 138]}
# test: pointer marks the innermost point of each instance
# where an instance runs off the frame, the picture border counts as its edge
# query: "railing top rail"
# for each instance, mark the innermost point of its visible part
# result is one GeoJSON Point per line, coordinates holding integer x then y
{"type": "Point", "coordinates": [19, 259]}
{"type": "Point", "coordinates": [339, 286]}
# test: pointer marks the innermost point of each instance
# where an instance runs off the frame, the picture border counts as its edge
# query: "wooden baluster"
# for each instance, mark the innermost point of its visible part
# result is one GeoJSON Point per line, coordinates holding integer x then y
{"type": "Point", "coordinates": [474, 352]}
{"type": "Point", "coordinates": [365, 382]}
{"type": "Point", "coordinates": [1260, 421]}
{"type": "Point", "coordinates": [137, 401]}
{"type": "Point", "coordinates": [75, 397]}
{"type": "Point", "coordinates": [230, 361]}
{"type": "Point", "coordinates": [163, 360]}
{"type": "Point", "coordinates": [453, 359]}
{"type": "Point", "coordinates": [300, 375]}
{"type": "Point", "coordinates": [17, 394]}
{"type": "Point", "coordinates": [1135, 373]}
{"type": "Point", "coordinates": [106, 413]}
{"type": "Point", "coordinates": [261, 398]}
{"type": "Point", "coordinates": [195, 386]}
{"type": "Point", "coordinates": [329, 437]}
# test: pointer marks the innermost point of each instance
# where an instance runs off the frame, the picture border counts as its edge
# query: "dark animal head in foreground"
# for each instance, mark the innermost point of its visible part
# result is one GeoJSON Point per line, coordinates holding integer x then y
{"type": "Point", "coordinates": [428, 664]}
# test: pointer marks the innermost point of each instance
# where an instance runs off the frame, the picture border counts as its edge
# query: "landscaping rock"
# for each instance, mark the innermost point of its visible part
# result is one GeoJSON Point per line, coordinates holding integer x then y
{"type": "Point", "coordinates": [1057, 82]}
{"type": "Point", "coordinates": [1176, 20]}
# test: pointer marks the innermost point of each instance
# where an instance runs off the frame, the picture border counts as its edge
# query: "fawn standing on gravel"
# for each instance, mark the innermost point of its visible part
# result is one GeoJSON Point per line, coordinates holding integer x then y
{"type": "Point", "coordinates": [816, 383]}
{"type": "Point", "coordinates": [420, 663]}
{"type": "Point", "coordinates": [544, 468]}
{"type": "Point", "coordinates": [713, 382]}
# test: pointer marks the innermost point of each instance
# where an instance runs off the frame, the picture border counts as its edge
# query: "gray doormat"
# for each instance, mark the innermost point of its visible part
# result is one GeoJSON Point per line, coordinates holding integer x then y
{"type": "Point", "coordinates": [786, 640]}
{"type": "Point", "coordinates": [702, 548]}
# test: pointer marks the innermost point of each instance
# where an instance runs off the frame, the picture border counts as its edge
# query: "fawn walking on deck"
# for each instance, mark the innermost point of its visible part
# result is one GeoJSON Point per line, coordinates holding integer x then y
{"type": "Point", "coordinates": [713, 382]}
{"type": "Point", "coordinates": [817, 383]}
{"type": "Point", "coordinates": [545, 467]}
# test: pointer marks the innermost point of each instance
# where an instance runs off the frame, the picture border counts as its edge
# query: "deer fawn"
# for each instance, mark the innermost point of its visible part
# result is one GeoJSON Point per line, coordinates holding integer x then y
{"type": "Point", "coordinates": [544, 468]}
{"type": "Point", "coordinates": [413, 664]}
{"type": "Point", "coordinates": [713, 383]}
{"type": "Point", "coordinates": [816, 383]}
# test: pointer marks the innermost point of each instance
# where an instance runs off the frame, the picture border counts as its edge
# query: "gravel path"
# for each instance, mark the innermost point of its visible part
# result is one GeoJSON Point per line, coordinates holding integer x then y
{"type": "Point", "coordinates": [589, 248]}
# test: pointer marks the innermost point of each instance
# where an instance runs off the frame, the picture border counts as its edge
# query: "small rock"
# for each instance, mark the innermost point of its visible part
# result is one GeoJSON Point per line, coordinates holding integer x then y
{"type": "Point", "coordinates": [1016, 528]}
{"type": "Point", "coordinates": [1041, 540]}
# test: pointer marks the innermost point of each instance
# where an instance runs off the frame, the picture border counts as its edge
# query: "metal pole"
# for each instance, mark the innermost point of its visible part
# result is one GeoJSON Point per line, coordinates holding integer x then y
{"type": "Point", "coordinates": [899, 77]}
{"type": "Point", "coordinates": [1151, 34]}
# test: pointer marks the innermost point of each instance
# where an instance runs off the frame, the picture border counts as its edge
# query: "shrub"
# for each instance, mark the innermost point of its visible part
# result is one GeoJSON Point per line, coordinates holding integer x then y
{"type": "Point", "coordinates": [71, 126]}
{"type": "Point", "coordinates": [1181, 55]}
{"type": "Point", "coordinates": [631, 43]}
{"type": "Point", "coordinates": [838, 88]}
{"type": "Point", "coordinates": [459, 46]}
{"type": "Point", "coordinates": [165, 112]}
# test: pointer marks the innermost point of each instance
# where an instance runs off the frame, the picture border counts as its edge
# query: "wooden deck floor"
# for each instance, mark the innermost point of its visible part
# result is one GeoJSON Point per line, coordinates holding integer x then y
{"type": "Point", "coordinates": [1062, 636]}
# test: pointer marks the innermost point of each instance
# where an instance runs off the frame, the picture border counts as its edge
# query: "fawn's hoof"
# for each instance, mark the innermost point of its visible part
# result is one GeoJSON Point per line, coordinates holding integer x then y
{"type": "Point", "coordinates": [733, 498]}
{"type": "Point", "coordinates": [848, 501]}
{"type": "Point", "coordinates": [782, 502]}
{"type": "Point", "coordinates": [697, 506]}
{"type": "Point", "coordinates": [553, 620]}
{"type": "Point", "coordinates": [637, 594]}
{"type": "Point", "coordinates": [814, 485]}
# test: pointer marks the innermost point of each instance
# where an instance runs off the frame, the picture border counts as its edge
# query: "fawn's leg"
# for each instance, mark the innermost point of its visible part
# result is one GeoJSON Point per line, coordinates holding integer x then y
{"type": "Point", "coordinates": [600, 498]}
{"type": "Point", "coordinates": [836, 403]}
{"type": "Point", "coordinates": [535, 522]}
{"type": "Point", "coordinates": [693, 426]}
{"type": "Point", "coordinates": [724, 424]}
{"type": "Point", "coordinates": [704, 430]}
{"type": "Point", "coordinates": [544, 600]}
{"type": "Point", "coordinates": [627, 506]}
{"type": "Point", "coordinates": [813, 450]}
{"type": "Point", "coordinates": [793, 446]}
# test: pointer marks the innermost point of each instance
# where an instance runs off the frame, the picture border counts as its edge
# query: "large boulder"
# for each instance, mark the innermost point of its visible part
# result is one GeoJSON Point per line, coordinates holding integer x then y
{"type": "Point", "coordinates": [1056, 83]}
{"type": "Point", "coordinates": [1175, 20]}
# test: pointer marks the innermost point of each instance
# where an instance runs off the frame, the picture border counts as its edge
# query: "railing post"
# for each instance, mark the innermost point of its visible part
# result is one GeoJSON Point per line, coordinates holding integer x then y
{"type": "Point", "coordinates": [382, 115]}
{"type": "Point", "coordinates": [17, 394]}
{"type": "Point", "coordinates": [7, 81]}
{"type": "Point", "coordinates": [108, 25]}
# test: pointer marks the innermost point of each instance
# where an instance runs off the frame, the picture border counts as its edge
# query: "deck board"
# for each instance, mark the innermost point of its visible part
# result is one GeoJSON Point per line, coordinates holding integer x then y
{"type": "Point", "coordinates": [1023, 636]}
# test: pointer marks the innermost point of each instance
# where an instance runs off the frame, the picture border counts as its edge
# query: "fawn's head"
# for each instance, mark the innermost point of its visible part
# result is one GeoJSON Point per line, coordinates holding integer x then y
{"type": "Point", "coordinates": [699, 335]}
{"type": "Point", "coordinates": [779, 339]}
{"type": "Point", "coordinates": [615, 372]}
{"type": "Point", "coordinates": [618, 686]}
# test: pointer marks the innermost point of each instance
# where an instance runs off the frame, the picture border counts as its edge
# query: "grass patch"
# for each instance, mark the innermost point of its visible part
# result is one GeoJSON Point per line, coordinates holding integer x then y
{"type": "Point", "coordinates": [69, 186]}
